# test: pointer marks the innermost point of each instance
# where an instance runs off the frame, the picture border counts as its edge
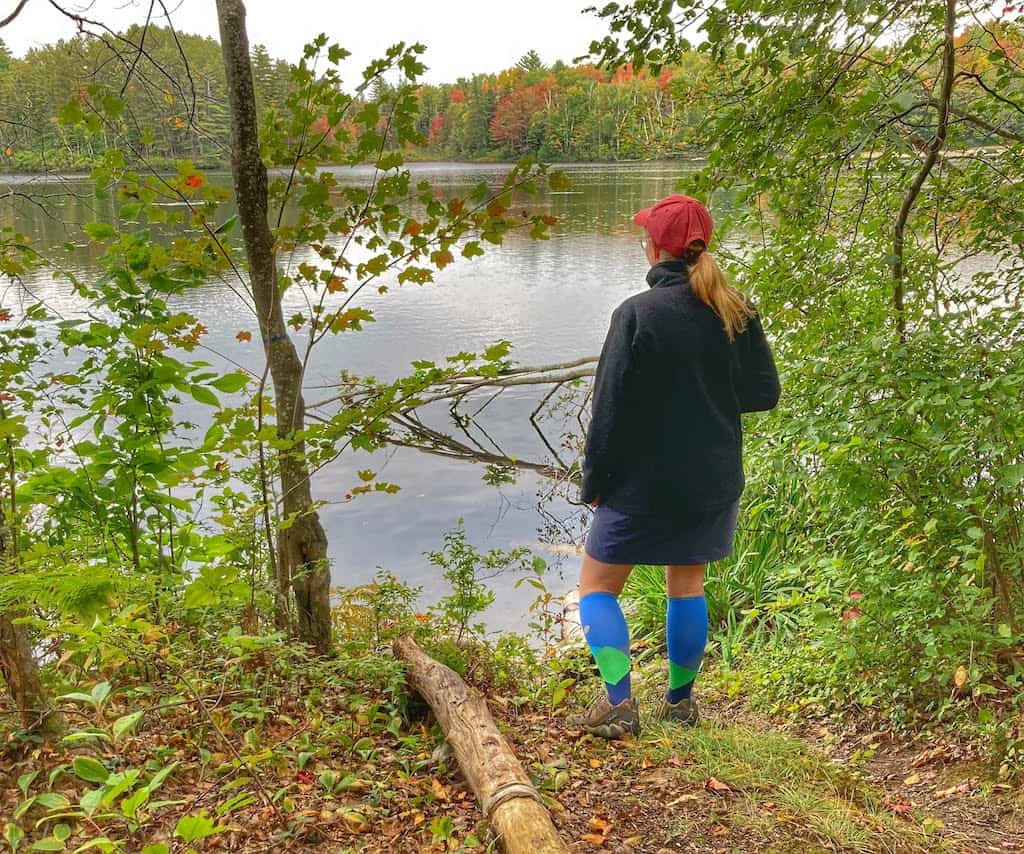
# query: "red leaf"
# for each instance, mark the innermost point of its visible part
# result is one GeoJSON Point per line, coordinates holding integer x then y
{"type": "Point", "coordinates": [194, 181]}
{"type": "Point", "coordinates": [304, 777]}
{"type": "Point", "coordinates": [718, 787]}
{"type": "Point", "coordinates": [244, 335]}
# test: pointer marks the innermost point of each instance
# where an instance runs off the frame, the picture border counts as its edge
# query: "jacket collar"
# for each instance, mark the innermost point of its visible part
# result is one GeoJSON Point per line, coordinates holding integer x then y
{"type": "Point", "coordinates": [667, 273]}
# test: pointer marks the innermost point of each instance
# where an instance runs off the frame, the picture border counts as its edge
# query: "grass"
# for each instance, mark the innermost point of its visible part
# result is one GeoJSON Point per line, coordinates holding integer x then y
{"type": "Point", "coordinates": [777, 792]}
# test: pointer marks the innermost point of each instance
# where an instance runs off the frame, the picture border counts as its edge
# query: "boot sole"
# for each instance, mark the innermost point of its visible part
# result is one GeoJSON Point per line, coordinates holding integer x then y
{"type": "Point", "coordinates": [614, 729]}
{"type": "Point", "coordinates": [688, 722]}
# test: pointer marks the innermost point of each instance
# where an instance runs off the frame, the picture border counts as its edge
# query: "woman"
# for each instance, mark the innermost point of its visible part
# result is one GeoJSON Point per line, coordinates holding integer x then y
{"type": "Point", "coordinates": [663, 457]}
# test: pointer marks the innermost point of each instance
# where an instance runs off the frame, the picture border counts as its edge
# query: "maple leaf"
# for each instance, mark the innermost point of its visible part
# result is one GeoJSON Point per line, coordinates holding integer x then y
{"type": "Point", "coordinates": [244, 335]}
{"type": "Point", "coordinates": [194, 181]}
{"type": "Point", "coordinates": [442, 258]}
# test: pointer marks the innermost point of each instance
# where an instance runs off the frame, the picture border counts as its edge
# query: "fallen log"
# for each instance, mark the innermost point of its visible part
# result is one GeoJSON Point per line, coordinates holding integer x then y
{"type": "Point", "coordinates": [508, 799]}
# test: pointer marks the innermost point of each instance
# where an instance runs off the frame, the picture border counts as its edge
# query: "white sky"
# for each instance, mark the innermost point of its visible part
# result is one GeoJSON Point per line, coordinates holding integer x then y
{"type": "Point", "coordinates": [462, 37]}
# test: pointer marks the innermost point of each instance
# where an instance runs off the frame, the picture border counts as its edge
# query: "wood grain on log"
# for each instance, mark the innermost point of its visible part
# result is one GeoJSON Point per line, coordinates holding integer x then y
{"type": "Point", "coordinates": [506, 795]}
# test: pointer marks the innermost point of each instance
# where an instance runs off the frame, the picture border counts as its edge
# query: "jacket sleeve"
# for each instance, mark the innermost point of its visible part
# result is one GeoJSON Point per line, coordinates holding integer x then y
{"type": "Point", "coordinates": [609, 406]}
{"type": "Point", "coordinates": [759, 380]}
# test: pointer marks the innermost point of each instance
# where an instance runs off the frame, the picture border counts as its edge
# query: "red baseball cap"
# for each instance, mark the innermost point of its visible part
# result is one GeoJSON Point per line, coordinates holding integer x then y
{"type": "Point", "coordinates": [675, 222]}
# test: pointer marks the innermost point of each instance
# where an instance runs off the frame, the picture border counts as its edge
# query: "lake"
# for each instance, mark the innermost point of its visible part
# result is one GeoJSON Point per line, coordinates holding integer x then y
{"type": "Point", "coordinates": [551, 298]}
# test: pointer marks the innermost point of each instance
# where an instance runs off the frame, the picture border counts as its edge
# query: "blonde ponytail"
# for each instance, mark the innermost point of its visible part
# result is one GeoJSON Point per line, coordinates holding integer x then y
{"type": "Point", "coordinates": [708, 282]}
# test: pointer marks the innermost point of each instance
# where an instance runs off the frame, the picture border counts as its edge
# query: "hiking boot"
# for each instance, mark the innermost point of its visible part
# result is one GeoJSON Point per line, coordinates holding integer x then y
{"type": "Point", "coordinates": [684, 712]}
{"type": "Point", "coordinates": [604, 720]}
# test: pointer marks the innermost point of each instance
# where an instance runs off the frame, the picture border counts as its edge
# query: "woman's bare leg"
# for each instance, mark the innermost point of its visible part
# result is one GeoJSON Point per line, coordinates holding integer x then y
{"type": "Point", "coordinates": [685, 580]}
{"type": "Point", "coordinates": [597, 577]}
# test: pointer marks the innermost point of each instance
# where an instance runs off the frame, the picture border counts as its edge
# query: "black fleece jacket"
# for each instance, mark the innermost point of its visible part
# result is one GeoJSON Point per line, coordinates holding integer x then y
{"type": "Point", "coordinates": [665, 437]}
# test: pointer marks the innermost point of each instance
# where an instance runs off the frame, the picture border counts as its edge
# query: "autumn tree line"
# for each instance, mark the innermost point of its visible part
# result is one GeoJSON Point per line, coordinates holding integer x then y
{"type": "Point", "coordinates": [178, 106]}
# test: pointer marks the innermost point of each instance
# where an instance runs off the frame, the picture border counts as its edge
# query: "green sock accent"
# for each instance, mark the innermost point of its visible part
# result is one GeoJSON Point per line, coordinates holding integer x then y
{"type": "Point", "coordinates": [613, 664]}
{"type": "Point", "coordinates": [678, 676]}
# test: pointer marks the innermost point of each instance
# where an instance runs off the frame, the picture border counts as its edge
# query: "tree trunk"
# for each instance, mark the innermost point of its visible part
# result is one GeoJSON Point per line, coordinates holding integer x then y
{"type": "Point", "coordinates": [509, 801]}
{"type": "Point", "coordinates": [303, 545]}
{"type": "Point", "coordinates": [17, 664]}
{"type": "Point", "coordinates": [932, 155]}
{"type": "Point", "coordinates": [21, 673]}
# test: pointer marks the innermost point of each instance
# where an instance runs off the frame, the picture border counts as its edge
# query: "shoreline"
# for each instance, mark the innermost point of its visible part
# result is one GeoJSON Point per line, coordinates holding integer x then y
{"type": "Point", "coordinates": [24, 177]}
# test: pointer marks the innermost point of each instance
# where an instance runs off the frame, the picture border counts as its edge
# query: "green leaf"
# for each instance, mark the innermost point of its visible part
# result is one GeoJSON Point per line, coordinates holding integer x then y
{"type": "Point", "coordinates": [100, 692]}
{"type": "Point", "coordinates": [156, 848]}
{"type": "Point", "coordinates": [101, 842]}
{"type": "Point", "coordinates": [126, 723]}
{"type": "Point", "coordinates": [47, 844]}
{"type": "Point", "coordinates": [129, 210]}
{"type": "Point", "coordinates": [118, 784]}
{"type": "Point", "coordinates": [90, 801]}
{"type": "Point", "coordinates": [13, 835]}
{"type": "Point", "coordinates": [25, 781]}
{"type": "Point", "coordinates": [193, 827]}
{"type": "Point", "coordinates": [71, 113]}
{"type": "Point", "coordinates": [558, 181]}
{"type": "Point", "coordinates": [497, 351]}
{"type": "Point", "coordinates": [131, 804]}
{"type": "Point", "coordinates": [77, 696]}
{"type": "Point", "coordinates": [202, 394]}
{"type": "Point", "coordinates": [52, 800]}
{"type": "Point", "coordinates": [85, 735]}
{"type": "Point", "coordinates": [24, 807]}
{"type": "Point", "coordinates": [90, 769]}
{"type": "Point", "coordinates": [230, 383]}
{"type": "Point", "coordinates": [227, 225]}
{"type": "Point", "coordinates": [1005, 631]}
{"type": "Point", "coordinates": [99, 230]}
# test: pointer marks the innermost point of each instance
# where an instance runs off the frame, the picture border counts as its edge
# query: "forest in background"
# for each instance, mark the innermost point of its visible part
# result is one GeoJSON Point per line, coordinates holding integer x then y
{"type": "Point", "coordinates": [557, 113]}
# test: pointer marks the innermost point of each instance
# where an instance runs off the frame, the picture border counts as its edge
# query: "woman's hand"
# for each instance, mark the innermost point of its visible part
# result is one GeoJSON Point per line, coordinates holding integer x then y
{"type": "Point", "coordinates": [596, 502]}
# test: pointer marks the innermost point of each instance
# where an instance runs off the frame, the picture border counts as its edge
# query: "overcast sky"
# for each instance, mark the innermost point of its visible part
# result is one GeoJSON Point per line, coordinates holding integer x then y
{"type": "Point", "coordinates": [463, 37]}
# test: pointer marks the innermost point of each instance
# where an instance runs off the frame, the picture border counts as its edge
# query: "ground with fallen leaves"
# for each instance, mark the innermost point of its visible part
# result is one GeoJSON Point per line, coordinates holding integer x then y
{"type": "Point", "coordinates": [743, 783]}
{"type": "Point", "coordinates": [272, 752]}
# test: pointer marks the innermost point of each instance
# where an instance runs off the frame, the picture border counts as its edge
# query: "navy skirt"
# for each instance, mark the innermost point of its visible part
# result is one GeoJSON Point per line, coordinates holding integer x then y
{"type": "Point", "coordinates": [661, 540]}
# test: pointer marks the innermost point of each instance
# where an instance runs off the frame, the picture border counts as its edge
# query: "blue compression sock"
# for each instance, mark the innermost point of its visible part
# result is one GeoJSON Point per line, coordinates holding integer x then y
{"type": "Point", "coordinates": [606, 632]}
{"type": "Point", "coordinates": [687, 630]}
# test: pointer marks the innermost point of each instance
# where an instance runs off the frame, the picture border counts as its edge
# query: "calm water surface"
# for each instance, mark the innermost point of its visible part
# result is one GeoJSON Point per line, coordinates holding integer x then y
{"type": "Point", "coordinates": [551, 298]}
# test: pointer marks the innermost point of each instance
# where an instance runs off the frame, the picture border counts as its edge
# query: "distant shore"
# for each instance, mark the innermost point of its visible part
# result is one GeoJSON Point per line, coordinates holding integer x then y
{"type": "Point", "coordinates": [24, 176]}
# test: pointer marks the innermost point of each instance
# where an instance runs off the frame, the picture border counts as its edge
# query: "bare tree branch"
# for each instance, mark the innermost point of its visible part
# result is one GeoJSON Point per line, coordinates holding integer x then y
{"type": "Point", "coordinates": [14, 14]}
